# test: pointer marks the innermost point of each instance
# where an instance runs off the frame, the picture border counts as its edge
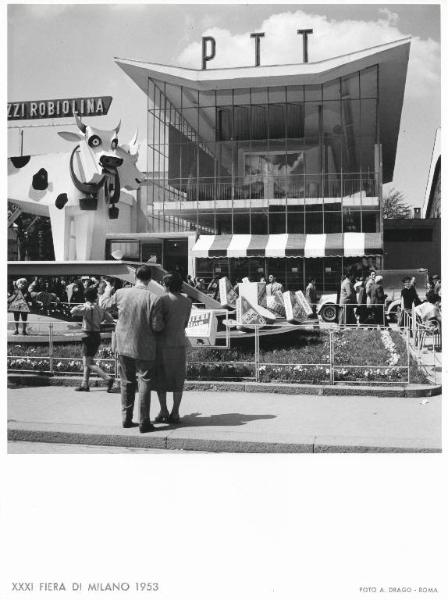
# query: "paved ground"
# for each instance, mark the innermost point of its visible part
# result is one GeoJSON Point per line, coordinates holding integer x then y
{"type": "Point", "coordinates": [232, 422]}
{"type": "Point", "coordinates": [46, 448]}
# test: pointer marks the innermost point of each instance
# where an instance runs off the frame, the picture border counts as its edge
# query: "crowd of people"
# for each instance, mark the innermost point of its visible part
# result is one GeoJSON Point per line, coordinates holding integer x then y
{"type": "Point", "coordinates": [363, 300]}
{"type": "Point", "coordinates": [52, 296]}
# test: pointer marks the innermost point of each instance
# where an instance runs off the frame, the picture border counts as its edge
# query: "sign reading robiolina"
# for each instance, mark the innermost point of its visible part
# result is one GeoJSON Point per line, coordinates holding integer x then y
{"type": "Point", "coordinates": [53, 109]}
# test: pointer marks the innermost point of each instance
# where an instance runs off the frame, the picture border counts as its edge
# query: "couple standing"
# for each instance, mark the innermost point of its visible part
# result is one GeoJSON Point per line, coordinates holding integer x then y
{"type": "Point", "coordinates": [150, 343]}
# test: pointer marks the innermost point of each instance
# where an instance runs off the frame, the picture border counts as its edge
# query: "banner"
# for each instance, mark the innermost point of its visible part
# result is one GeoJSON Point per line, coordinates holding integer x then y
{"type": "Point", "coordinates": [276, 304]}
{"type": "Point", "coordinates": [227, 295]}
{"type": "Point", "coordinates": [304, 302]}
{"type": "Point", "coordinates": [295, 312]}
{"type": "Point", "coordinates": [255, 292]}
{"type": "Point", "coordinates": [201, 328]}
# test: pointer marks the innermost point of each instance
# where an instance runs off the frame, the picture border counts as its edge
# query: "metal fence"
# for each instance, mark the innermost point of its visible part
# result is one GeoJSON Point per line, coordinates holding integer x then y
{"type": "Point", "coordinates": [328, 355]}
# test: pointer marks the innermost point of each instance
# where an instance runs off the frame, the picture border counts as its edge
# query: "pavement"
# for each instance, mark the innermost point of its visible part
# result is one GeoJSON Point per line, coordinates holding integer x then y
{"type": "Point", "coordinates": [232, 421]}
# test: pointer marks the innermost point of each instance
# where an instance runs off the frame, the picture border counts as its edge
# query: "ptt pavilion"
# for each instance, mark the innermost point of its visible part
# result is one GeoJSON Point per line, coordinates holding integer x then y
{"type": "Point", "coordinates": [269, 169]}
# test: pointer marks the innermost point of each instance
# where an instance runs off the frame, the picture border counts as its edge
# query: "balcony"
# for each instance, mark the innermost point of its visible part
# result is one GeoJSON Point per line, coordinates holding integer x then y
{"type": "Point", "coordinates": [242, 193]}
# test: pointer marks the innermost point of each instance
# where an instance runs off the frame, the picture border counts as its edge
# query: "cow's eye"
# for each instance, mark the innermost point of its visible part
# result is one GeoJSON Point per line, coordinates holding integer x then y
{"type": "Point", "coordinates": [114, 143]}
{"type": "Point", "coordinates": [94, 141]}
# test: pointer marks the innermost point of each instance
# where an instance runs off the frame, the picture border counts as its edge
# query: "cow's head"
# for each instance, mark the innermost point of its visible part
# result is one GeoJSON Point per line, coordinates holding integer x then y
{"type": "Point", "coordinates": [98, 149]}
{"type": "Point", "coordinates": [101, 158]}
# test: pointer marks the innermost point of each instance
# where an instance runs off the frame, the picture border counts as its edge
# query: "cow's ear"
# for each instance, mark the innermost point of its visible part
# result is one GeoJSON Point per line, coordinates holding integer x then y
{"type": "Point", "coordinates": [69, 136]}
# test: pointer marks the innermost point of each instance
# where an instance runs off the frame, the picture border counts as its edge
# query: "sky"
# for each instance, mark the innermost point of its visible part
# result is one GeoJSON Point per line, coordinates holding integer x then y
{"type": "Point", "coordinates": [64, 50]}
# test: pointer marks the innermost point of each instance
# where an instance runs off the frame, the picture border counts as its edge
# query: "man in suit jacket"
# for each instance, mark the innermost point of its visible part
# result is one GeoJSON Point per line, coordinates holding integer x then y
{"type": "Point", "coordinates": [135, 345]}
{"type": "Point", "coordinates": [347, 301]}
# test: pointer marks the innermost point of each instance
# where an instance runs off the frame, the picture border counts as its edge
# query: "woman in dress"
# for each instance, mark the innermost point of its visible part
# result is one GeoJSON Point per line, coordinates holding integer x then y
{"type": "Point", "coordinates": [18, 305]}
{"type": "Point", "coordinates": [170, 317]}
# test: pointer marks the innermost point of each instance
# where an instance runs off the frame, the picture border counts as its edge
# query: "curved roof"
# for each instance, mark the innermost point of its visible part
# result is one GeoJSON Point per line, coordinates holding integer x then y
{"type": "Point", "coordinates": [392, 59]}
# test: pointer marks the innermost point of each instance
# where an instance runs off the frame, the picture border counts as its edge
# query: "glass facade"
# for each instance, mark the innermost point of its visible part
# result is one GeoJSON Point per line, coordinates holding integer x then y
{"type": "Point", "coordinates": [265, 160]}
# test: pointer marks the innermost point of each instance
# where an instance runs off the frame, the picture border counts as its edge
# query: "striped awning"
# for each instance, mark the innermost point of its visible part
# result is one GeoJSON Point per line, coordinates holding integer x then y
{"type": "Point", "coordinates": [293, 245]}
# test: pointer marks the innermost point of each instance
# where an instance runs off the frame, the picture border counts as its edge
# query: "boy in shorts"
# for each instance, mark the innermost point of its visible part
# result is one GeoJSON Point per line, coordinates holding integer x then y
{"type": "Point", "coordinates": [92, 316]}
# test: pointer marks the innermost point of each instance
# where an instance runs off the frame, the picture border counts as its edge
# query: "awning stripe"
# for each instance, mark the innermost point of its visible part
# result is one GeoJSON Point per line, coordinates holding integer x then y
{"type": "Point", "coordinates": [238, 246]}
{"type": "Point", "coordinates": [276, 246]}
{"type": "Point", "coordinates": [295, 244]}
{"type": "Point", "coordinates": [354, 244]}
{"type": "Point", "coordinates": [315, 245]}
{"type": "Point", "coordinates": [202, 246]}
{"type": "Point", "coordinates": [282, 245]}
{"type": "Point", "coordinates": [334, 244]}
{"type": "Point", "coordinates": [257, 245]}
{"type": "Point", "coordinates": [219, 246]}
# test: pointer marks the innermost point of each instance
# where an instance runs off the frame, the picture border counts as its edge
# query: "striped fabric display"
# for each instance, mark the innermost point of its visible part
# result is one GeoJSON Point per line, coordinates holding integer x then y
{"type": "Point", "coordinates": [292, 245]}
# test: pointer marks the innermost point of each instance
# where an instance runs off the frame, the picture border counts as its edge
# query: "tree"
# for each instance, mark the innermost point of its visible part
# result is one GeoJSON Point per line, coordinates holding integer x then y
{"type": "Point", "coordinates": [395, 206]}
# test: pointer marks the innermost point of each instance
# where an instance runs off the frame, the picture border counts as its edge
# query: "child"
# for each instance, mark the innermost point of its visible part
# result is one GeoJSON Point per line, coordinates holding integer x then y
{"type": "Point", "coordinates": [17, 304]}
{"type": "Point", "coordinates": [92, 315]}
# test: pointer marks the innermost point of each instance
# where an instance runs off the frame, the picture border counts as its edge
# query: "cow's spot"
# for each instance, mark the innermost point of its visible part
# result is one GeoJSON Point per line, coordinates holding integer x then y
{"type": "Point", "coordinates": [20, 161]}
{"type": "Point", "coordinates": [61, 201]}
{"type": "Point", "coordinates": [40, 180]}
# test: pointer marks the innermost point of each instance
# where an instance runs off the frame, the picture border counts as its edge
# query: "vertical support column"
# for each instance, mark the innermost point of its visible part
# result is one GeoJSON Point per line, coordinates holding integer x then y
{"type": "Point", "coordinates": [51, 347]}
{"type": "Point", "coordinates": [408, 346]}
{"type": "Point", "coordinates": [331, 359]}
{"type": "Point", "coordinates": [257, 353]}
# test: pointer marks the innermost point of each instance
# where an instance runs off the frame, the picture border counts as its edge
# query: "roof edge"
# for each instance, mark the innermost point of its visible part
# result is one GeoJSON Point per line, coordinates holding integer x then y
{"type": "Point", "coordinates": [369, 50]}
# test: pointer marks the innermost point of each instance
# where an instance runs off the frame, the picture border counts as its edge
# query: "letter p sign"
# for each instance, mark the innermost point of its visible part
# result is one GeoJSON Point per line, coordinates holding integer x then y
{"type": "Point", "coordinates": [205, 56]}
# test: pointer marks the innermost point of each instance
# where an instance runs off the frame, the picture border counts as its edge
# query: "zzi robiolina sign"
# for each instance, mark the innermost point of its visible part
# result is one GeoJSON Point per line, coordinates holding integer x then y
{"type": "Point", "coordinates": [52, 109]}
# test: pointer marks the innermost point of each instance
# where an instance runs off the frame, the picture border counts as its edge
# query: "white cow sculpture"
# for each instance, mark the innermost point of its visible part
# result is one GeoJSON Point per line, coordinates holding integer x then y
{"type": "Point", "coordinates": [80, 190]}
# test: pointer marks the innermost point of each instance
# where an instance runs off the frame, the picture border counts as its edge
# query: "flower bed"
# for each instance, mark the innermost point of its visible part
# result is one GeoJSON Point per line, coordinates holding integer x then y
{"type": "Point", "coordinates": [359, 355]}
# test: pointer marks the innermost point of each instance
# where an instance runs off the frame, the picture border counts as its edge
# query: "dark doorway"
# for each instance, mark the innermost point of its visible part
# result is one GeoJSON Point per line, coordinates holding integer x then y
{"type": "Point", "coordinates": [175, 255]}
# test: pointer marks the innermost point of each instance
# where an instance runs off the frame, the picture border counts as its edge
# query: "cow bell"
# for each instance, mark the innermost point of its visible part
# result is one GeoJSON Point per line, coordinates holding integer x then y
{"type": "Point", "coordinates": [113, 212]}
{"type": "Point", "coordinates": [88, 203]}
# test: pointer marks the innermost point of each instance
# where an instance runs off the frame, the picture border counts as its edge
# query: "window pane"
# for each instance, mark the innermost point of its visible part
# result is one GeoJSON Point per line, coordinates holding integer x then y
{"type": "Point", "coordinates": [350, 86]}
{"type": "Point", "coordinates": [331, 90]}
{"type": "Point", "coordinates": [313, 222]}
{"type": "Point", "coordinates": [352, 220]}
{"type": "Point", "coordinates": [259, 223]}
{"type": "Point", "coordinates": [312, 119]}
{"type": "Point", "coordinates": [223, 223]}
{"type": "Point", "coordinates": [277, 222]}
{"type": "Point", "coordinates": [313, 92]}
{"type": "Point", "coordinates": [241, 223]}
{"type": "Point", "coordinates": [259, 96]}
{"type": "Point", "coordinates": [259, 123]}
{"type": "Point", "coordinates": [295, 120]}
{"type": "Point", "coordinates": [369, 82]}
{"type": "Point", "coordinates": [295, 93]}
{"type": "Point", "coordinates": [276, 121]}
{"type": "Point", "coordinates": [333, 222]}
{"type": "Point", "coordinates": [296, 222]}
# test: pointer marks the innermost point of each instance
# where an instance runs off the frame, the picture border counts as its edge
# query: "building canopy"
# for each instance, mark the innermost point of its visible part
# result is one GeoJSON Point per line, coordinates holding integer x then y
{"type": "Point", "coordinates": [391, 58]}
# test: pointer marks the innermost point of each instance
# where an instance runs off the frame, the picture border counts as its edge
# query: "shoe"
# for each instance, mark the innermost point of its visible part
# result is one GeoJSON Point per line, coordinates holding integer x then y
{"type": "Point", "coordinates": [146, 426]}
{"type": "Point", "coordinates": [129, 424]}
{"type": "Point", "coordinates": [24, 333]}
{"type": "Point", "coordinates": [81, 388]}
{"type": "Point", "coordinates": [161, 418]}
{"type": "Point", "coordinates": [15, 333]}
{"type": "Point", "coordinates": [174, 419]}
{"type": "Point", "coordinates": [110, 384]}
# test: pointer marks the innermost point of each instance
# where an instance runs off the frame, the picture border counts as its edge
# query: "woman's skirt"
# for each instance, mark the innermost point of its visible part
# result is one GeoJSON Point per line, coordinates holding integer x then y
{"type": "Point", "coordinates": [170, 369]}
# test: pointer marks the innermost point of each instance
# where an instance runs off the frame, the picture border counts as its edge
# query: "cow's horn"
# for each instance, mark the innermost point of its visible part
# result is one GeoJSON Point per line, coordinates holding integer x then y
{"type": "Point", "coordinates": [117, 128]}
{"type": "Point", "coordinates": [134, 139]}
{"type": "Point", "coordinates": [80, 124]}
